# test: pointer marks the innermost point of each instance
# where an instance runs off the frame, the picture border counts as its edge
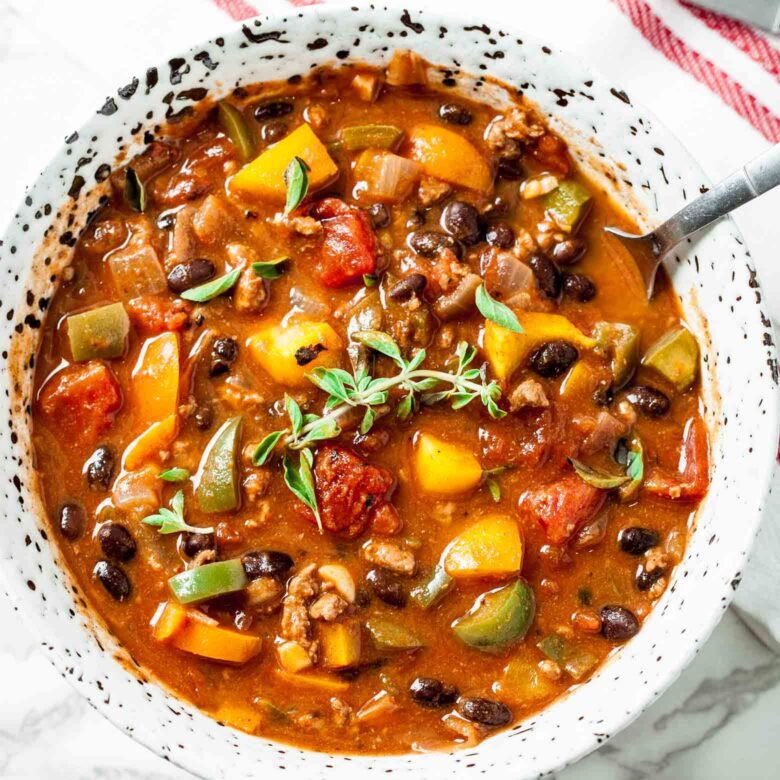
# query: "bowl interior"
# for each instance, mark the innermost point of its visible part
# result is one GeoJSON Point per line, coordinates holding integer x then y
{"type": "Point", "coordinates": [624, 147]}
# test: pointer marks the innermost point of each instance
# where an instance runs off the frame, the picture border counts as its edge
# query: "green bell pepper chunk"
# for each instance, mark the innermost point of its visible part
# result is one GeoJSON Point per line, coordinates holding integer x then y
{"type": "Point", "coordinates": [621, 343]}
{"type": "Point", "coordinates": [371, 137]}
{"type": "Point", "coordinates": [207, 581]}
{"type": "Point", "coordinates": [99, 333]}
{"type": "Point", "coordinates": [576, 661]}
{"type": "Point", "coordinates": [498, 617]}
{"type": "Point", "coordinates": [232, 122]}
{"type": "Point", "coordinates": [568, 204]}
{"type": "Point", "coordinates": [387, 635]}
{"type": "Point", "coordinates": [429, 593]}
{"type": "Point", "coordinates": [218, 488]}
{"type": "Point", "coordinates": [675, 357]}
{"type": "Point", "coordinates": [635, 470]}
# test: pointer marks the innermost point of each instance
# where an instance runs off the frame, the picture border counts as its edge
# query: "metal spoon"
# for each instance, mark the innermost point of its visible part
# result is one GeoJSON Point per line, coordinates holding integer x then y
{"type": "Point", "coordinates": [756, 178]}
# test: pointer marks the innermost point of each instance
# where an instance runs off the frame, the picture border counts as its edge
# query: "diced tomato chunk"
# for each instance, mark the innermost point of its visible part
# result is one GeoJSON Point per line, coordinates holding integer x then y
{"type": "Point", "coordinates": [562, 507]}
{"type": "Point", "coordinates": [348, 243]}
{"type": "Point", "coordinates": [693, 479]}
{"type": "Point", "coordinates": [82, 400]}
{"type": "Point", "coordinates": [350, 492]}
{"type": "Point", "coordinates": [156, 315]}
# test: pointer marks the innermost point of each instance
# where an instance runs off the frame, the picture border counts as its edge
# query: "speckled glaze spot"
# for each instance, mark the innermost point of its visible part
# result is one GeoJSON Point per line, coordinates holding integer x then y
{"type": "Point", "coordinates": [714, 277]}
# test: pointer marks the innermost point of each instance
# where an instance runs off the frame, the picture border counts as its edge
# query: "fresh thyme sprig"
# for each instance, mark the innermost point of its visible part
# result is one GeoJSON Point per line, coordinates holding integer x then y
{"type": "Point", "coordinates": [347, 392]}
{"type": "Point", "coordinates": [350, 391]}
{"type": "Point", "coordinates": [173, 522]}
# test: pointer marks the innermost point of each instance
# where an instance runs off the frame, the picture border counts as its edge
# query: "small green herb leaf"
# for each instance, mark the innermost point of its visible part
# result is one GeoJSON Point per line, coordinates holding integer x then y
{"type": "Point", "coordinates": [271, 269]}
{"type": "Point", "coordinates": [597, 478]}
{"type": "Point", "coordinates": [379, 342]}
{"type": "Point", "coordinates": [134, 193]}
{"type": "Point", "coordinates": [324, 428]}
{"type": "Point", "coordinates": [368, 421]}
{"type": "Point", "coordinates": [171, 521]}
{"type": "Point", "coordinates": [212, 289]}
{"type": "Point", "coordinates": [330, 382]}
{"type": "Point", "coordinates": [300, 481]}
{"type": "Point", "coordinates": [294, 413]}
{"type": "Point", "coordinates": [232, 122]}
{"type": "Point", "coordinates": [174, 475]}
{"type": "Point", "coordinates": [493, 489]}
{"type": "Point", "coordinates": [296, 179]}
{"type": "Point", "coordinates": [491, 309]}
{"type": "Point", "coordinates": [370, 280]}
{"type": "Point", "coordinates": [265, 448]}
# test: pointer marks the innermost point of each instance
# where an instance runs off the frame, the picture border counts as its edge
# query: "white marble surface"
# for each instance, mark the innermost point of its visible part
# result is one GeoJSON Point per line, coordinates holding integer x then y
{"type": "Point", "coordinates": [57, 64]}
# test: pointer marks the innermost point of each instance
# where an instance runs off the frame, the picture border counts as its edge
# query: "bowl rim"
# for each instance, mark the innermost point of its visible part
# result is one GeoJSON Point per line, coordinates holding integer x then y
{"type": "Point", "coordinates": [16, 590]}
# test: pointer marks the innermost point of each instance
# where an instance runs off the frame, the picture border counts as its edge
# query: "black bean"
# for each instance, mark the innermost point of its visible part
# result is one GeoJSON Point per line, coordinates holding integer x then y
{"type": "Point", "coordinates": [548, 277]}
{"type": "Point", "coordinates": [579, 287]}
{"type": "Point", "coordinates": [430, 692]}
{"type": "Point", "coordinates": [428, 243]}
{"type": "Point", "coordinates": [485, 711]}
{"type": "Point", "coordinates": [224, 351]}
{"type": "Point", "coordinates": [100, 468]}
{"type": "Point", "coordinates": [454, 114]}
{"type": "Point", "coordinates": [415, 219]}
{"type": "Point", "coordinates": [603, 395]}
{"type": "Point", "coordinates": [72, 521]}
{"type": "Point", "coordinates": [499, 207]}
{"type": "Point", "coordinates": [510, 168]}
{"type": "Point", "coordinates": [500, 235]}
{"type": "Point", "coordinates": [266, 563]}
{"type": "Point", "coordinates": [184, 276]}
{"type": "Point", "coordinates": [386, 587]}
{"type": "Point", "coordinates": [569, 251]}
{"type": "Point", "coordinates": [273, 131]}
{"type": "Point", "coordinates": [407, 287]}
{"type": "Point", "coordinates": [552, 358]}
{"type": "Point", "coordinates": [273, 110]}
{"type": "Point", "coordinates": [618, 623]}
{"type": "Point", "coordinates": [203, 417]}
{"type": "Point", "coordinates": [195, 543]}
{"type": "Point", "coordinates": [646, 579]}
{"type": "Point", "coordinates": [648, 400]}
{"type": "Point", "coordinates": [379, 215]}
{"type": "Point", "coordinates": [113, 579]}
{"type": "Point", "coordinates": [461, 220]}
{"type": "Point", "coordinates": [637, 541]}
{"type": "Point", "coordinates": [116, 542]}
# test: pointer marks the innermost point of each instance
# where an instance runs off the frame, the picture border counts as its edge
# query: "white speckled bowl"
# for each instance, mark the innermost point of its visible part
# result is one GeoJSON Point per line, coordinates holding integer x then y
{"type": "Point", "coordinates": [714, 277]}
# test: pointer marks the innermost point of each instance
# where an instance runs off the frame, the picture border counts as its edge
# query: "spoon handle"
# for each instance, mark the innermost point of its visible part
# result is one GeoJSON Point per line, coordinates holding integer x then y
{"type": "Point", "coordinates": [754, 179]}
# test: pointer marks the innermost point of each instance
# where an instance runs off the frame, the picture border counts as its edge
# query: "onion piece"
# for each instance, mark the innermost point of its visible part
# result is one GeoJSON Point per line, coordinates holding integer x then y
{"type": "Point", "coordinates": [137, 491]}
{"type": "Point", "coordinates": [505, 274]}
{"type": "Point", "coordinates": [308, 304]}
{"type": "Point", "coordinates": [385, 176]}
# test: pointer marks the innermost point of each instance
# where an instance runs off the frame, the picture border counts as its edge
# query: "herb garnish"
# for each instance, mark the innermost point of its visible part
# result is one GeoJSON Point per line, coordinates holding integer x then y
{"type": "Point", "coordinates": [173, 522]}
{"type": "Point", "coordinates": [174, 475]}
{"type": "Point", "coordinates": [205, 292]}
{"type": "Point", "coordinates": [370, 280]}
{"type": "Point", "coordinates": [359, 390]}
{"type": "Point", "coordinates": [494, 310]}
{"type": "Point", "coordinates": [134, 192]}
{"type": "Point", "coordinates": [596, 477]}
{"type": "Point", "coordinates": [271, 269]}
{"type": "Point", "coordinates": [296, 179]}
